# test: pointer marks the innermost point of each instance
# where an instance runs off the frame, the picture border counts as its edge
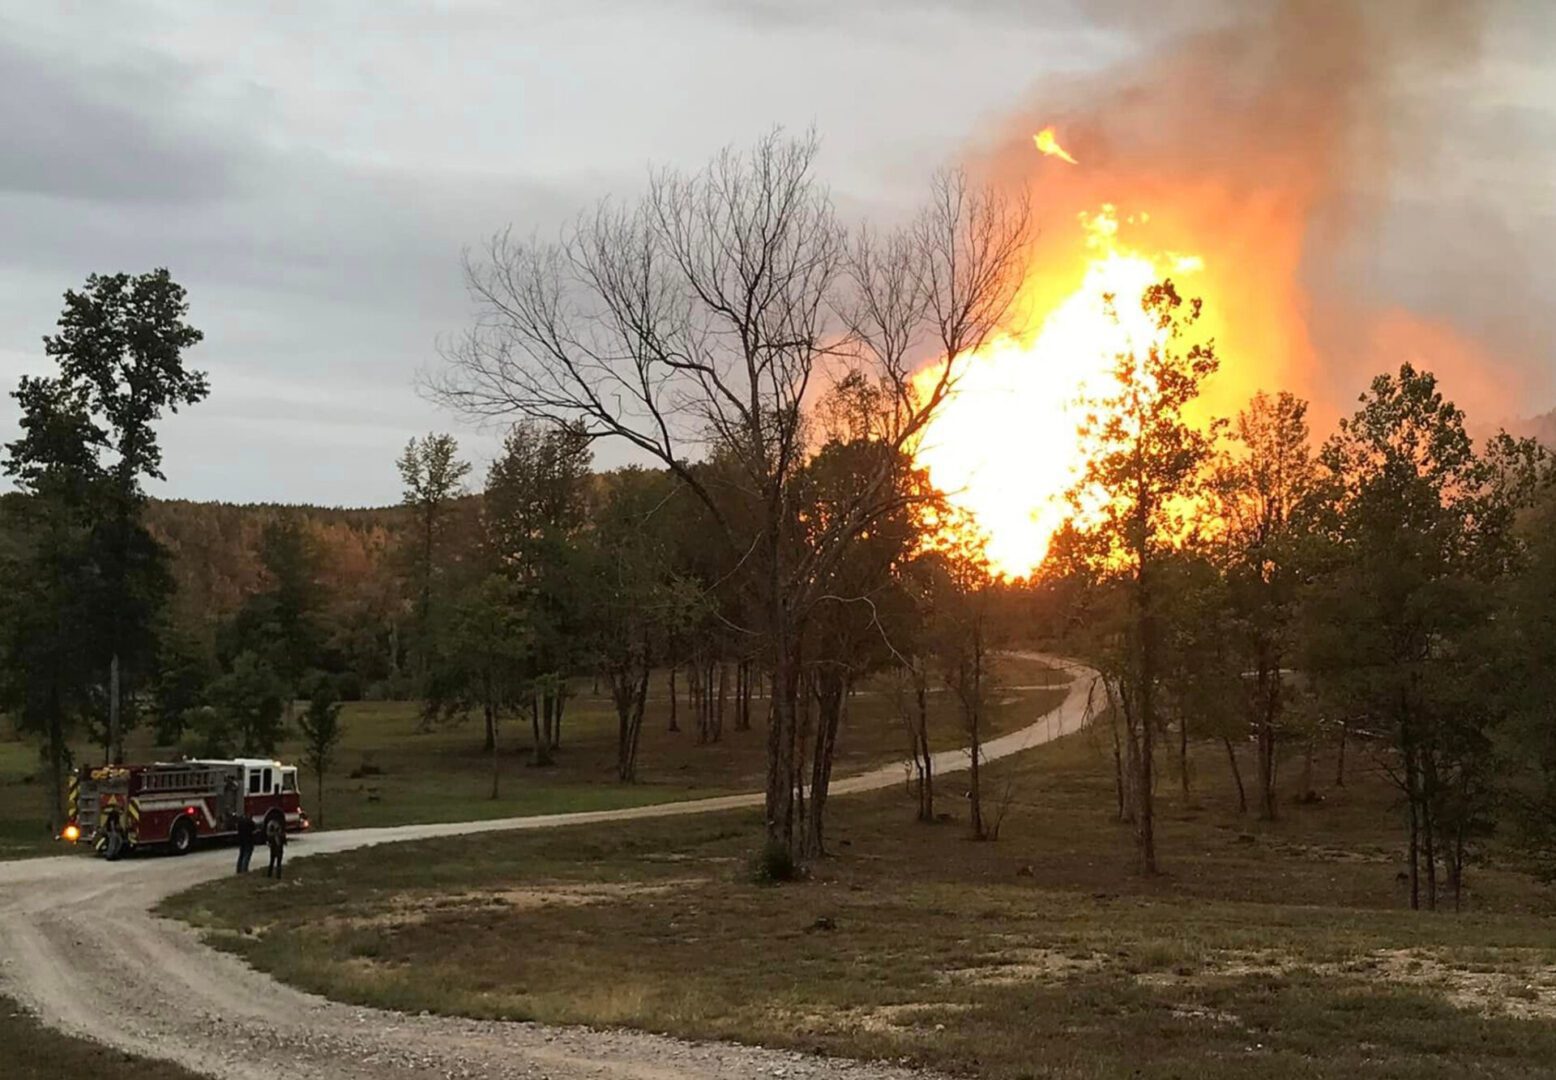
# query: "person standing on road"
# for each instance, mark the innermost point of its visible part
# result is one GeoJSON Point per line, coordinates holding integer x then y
{"type": "Point", "coordinates": [245, 842]}
{"type": "Point", "coordinates": [276, 838]}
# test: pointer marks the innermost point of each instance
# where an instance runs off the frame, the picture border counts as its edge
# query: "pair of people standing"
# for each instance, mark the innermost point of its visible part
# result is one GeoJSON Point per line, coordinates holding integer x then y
{"type": "Point", "coordinates": [275, 839]}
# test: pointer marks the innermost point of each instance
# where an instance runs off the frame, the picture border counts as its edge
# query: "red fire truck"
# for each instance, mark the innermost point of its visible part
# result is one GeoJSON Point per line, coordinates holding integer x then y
{"type": "Point", "coordinates": [119, 808]}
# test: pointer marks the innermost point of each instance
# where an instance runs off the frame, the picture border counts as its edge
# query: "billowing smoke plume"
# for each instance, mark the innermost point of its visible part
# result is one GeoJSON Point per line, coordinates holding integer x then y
{"type": "Point", "coordinates": [1283, 142]}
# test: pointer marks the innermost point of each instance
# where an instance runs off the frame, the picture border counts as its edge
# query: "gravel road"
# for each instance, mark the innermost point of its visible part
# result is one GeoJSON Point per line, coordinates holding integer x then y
{"type": "Point", "coordinates": [80, 948]}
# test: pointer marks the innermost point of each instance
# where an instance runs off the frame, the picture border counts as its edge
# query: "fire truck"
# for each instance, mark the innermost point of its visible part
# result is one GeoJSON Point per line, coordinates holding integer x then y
{"type": "Point", "coordinates": [121, 808]}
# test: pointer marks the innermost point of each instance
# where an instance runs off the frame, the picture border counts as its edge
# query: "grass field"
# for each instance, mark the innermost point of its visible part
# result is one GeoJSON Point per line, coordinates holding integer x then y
{"type": "Point", "coordinates": [1264, 950]}
{"type": "Point", "coordinates": [404, 774]}
{"type": "Point", "coordinates": [34, 1052]}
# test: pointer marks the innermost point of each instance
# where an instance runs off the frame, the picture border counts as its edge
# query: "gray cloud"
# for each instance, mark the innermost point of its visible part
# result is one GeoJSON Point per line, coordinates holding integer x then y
{"type": "Point", "coordinates": [311, 173]}
{"type": "Point", "coordinates": [111, 136]}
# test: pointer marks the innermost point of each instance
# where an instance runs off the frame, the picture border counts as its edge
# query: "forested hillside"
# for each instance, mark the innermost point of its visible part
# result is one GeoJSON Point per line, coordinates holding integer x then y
{"type": "Point", "coordinates": [217, 564]}
{"type": "Point", "coordinates": [357, 566]}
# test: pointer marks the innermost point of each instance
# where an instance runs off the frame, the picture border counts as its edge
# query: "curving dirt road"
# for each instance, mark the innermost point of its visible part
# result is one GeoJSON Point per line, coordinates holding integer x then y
{"type": "Point", "coordinates": [79, 946]}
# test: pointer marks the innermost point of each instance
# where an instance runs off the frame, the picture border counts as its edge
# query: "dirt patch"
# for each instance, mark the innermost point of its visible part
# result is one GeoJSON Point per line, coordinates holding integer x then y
{"type": "Point", "coordinates": [1518, 983]}
{"type": "Point", "coordinates": [912, 1016]}
{"type": "Point", "coordinates": [1203, 1014]}
{"type": "Point", "coordinates": [1021, 965]}
{"type": "Point", "coordinates": [414, 909]}
{"type": "Point", "coordinates": [1515, 982]}
{"type": "Point", "coordinates": [1526, 990]}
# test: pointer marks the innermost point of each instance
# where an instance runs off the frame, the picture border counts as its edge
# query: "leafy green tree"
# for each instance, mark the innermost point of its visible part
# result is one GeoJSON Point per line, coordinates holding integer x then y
{"type": "Point", "coordinates": [486, 658]}
{"type": "Point", "coordinates": [282, 623]}
{"type": "Point", "coordinates": [1421, 528]}
{"type": "Point", "coordinates": [846, 639]}
{"type": "Point", "coordinates": [250, 699]}
{"type": "Point", "coordinates": [208, 732]}
{"type": "Point", "coordinates": [47, 581]}
{"type": "Point", "coordinates": [1528, 614]}
{"type": "Point", "coordinates": [1202, 665]}
{"type": "Point", "coordinates": [1263, 497]}
{"type": "Point", "coordinates": [184, 670]}
{"type": "Point", "coordinates": [631, 600]}
{"type": "Point", "coordinates": [534, 513]}
{"type": "Point", "coordinates": [960, 640]}
{"type": "Point", "coordinates": [47, 577]}
{"type": "Point", "coordinates": [433, 478]}
{"type": "Point", "coordinates": [120, 350]}
{"type": "Point", "coordinates": [1145, 467]}
{"type": "Point", "coordinates": [321, 730]}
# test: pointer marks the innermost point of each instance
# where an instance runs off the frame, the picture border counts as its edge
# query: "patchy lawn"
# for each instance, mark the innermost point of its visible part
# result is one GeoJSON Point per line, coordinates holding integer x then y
{"type": "Point", "coordinates": [1265, 950]}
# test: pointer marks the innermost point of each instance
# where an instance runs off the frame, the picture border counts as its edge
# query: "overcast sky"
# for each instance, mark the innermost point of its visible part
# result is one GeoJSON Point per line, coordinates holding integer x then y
{"type": "Point", "coordinates": [311, 171]}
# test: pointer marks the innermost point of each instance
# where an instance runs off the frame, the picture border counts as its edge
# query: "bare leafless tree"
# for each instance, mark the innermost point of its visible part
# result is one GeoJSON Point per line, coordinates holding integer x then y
{"type": "Point", "coordinates": [704, 317]}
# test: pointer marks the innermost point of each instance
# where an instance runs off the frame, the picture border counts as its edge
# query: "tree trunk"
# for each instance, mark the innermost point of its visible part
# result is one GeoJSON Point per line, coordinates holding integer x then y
{"type": "Point", "coordinates": [975, 776]}
{"type": "Point", "coordinates": [779, 800]}
{"type": "Point", "coordinates": [114, 751]}
{"type": "Point", "coordinates": [743, 720]}
{"type": "Point", "coordinates": [718, 717]}
{"type": "Point", "coordinates": [1231, 757]}
{"type": "Point", "coordinates": [1460, 842]}
{"type": "Point", "coordinates": [59, 755]}
{"type": "Point", "coordinates": [1183, 755]}
{"type": "Point", "coordinates": [1121, 774]}
{"type": "Point", "coordinates": [540, 716]}
{"type": "Point", "coordinates": [556, 720]}
{"type": "Point", "coordinates": [1145, 820]}
{"type": "Point", "coordinates": [1145, 817]}
{"type": "Point", "coordinates": [1339, 771]}
{"type": "Point", "coordinates": [740, 694]}
{"type": "Point", "coordinates": [974, 715]}
{"type": "Point", "coordinates": [1412, 798]}
{"type": "Point", "coordinates": [674, 726]}
{"type": "Point", "coordinates": [1269, 700]}
{"type": "Point", "coordinates": [805, 724]}
{"type": "Point", "coordinates": [1429, 802]}
{"type": "Point", "coordinates": [699, 677]}
{"type": "Point", "coordinates": [424, 609]}
{"type": "Point", "coordinates": [833, 702]}
{"type": "Point", "coordinates": [921, 751]}
{"type": "Point", "coordinates": [491, 741]}
{"type": "Point", "coordinates": [631, 697]}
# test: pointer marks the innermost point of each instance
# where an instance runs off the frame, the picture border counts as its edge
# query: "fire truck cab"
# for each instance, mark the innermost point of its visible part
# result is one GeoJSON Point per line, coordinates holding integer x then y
{"type": "Point", "coordinates": [121, 808]}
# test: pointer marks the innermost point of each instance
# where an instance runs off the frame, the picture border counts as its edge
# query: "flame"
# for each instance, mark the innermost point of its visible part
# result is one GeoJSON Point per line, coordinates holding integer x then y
{"type": "Point", "coordinates": [1048, 143]}
{"type": "Point", "coordinates": [1004, 447]}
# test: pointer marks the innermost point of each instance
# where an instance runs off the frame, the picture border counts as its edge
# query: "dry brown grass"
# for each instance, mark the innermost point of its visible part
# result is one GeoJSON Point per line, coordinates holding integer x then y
{"type": "Point", "coordinates": [1266, 950]}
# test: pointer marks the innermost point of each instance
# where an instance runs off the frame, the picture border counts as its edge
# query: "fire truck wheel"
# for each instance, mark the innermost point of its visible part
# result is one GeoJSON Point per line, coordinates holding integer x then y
{"type": "Point", "coordinates": [113, 848]}
{"type": "Point", "coordinates": [182, 838]}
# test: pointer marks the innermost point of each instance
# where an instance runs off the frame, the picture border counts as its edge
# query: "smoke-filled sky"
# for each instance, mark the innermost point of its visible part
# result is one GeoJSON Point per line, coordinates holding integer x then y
{"type": "Point", "coordinates": [311, 172]}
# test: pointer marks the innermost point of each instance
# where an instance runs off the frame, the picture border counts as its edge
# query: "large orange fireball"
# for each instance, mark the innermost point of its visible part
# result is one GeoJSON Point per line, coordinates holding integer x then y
{"type": "Point", "coordinates": [1005, 446]}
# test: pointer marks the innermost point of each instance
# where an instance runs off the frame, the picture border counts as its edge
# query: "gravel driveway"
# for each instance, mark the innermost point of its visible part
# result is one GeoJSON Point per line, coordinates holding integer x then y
{"type": "Point", "coordinates": [80, 947]}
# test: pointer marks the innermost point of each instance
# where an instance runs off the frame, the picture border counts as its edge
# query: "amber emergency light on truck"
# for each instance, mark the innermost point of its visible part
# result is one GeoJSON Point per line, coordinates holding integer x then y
{"type": "Point", "coordinates": [119, 808]}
